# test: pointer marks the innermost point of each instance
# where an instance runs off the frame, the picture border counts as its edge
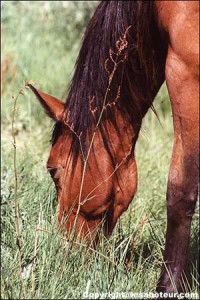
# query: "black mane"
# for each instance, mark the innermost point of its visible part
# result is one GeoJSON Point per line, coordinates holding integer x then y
{"type": "Point", "coordinates": [119, 29]}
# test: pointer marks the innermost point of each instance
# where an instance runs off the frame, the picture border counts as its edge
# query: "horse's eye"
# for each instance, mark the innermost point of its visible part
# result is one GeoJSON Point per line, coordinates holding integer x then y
{"type": "Point", "coordinates": [52, 171]}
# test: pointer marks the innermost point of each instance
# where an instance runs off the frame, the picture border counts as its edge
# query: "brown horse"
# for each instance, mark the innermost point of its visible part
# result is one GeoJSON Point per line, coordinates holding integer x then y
{"type": "Point", "coordinates": [129, 49]}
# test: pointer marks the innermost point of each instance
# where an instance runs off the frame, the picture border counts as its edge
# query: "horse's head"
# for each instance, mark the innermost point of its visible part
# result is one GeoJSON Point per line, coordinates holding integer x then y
{"type": "Point", "coordinates": [96, 189]}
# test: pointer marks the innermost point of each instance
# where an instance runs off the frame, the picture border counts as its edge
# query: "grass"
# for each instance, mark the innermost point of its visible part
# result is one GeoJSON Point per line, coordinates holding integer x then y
{"type": "Point", "coordinates": [130, 261]}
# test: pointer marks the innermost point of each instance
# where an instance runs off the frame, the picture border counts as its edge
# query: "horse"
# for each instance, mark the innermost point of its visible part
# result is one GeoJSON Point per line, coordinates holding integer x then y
{"type": "Point", "coordinates": [128, 50]}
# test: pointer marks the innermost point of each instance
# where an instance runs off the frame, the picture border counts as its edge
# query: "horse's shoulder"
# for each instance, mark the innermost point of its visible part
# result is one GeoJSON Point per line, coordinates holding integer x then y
{"type": "Point", "coordinates": [180, 20]}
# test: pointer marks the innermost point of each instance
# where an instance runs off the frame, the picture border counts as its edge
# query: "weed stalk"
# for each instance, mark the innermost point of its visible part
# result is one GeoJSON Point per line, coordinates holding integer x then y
{"type": "Point", "coordinates": [16, 204]}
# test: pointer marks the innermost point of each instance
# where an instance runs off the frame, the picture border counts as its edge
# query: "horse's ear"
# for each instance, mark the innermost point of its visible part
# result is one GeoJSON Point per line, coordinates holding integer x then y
{"type": "Point", "coordinates": [53, 106]}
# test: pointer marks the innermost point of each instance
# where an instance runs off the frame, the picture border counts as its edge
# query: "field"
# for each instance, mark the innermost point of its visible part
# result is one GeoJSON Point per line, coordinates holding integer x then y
{"type": "Point", "coordinates": [40, 43]}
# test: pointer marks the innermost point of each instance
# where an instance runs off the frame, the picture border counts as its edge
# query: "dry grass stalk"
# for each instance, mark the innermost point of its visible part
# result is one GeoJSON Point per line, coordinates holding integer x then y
{"type": "Point", "coordinates": [119, 58]}
{"type": "Point", "coordinates": [16, 204]}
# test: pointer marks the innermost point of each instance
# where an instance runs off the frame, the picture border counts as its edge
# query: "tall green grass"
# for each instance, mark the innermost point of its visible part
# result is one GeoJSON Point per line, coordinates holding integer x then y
{"type": "Point", "coordinates": [40, 43]}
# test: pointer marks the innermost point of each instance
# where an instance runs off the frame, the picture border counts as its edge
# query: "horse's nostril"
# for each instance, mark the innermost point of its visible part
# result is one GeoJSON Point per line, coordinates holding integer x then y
{"type": "Point", "coordinates": [118, 189]}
